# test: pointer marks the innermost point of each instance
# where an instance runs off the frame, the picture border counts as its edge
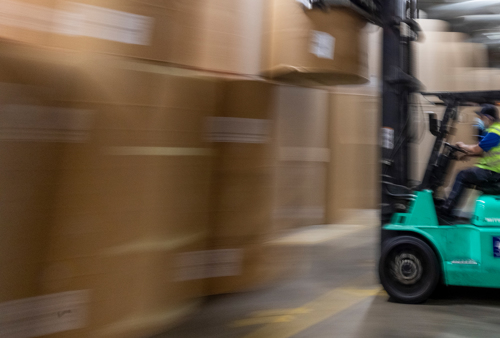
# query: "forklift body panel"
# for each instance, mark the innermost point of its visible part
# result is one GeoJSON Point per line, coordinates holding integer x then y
{"type": "Point", "coordinates": [469, 254]}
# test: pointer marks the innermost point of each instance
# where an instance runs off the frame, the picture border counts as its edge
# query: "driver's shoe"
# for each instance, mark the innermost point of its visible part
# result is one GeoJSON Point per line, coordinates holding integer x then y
{"type": "Point", "coordinates": [439, 202]}
{"type": "Point", "coordinates": [444, 216]}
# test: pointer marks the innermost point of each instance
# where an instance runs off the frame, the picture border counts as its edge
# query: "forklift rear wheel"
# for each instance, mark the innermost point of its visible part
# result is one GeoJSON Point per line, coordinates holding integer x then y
{"type": "Point", "coordinates": [408, 269]}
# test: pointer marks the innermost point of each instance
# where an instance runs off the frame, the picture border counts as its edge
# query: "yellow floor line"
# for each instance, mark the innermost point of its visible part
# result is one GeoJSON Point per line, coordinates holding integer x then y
{"type": "Point", "coordinates": [263, 320]}
{"type": "Point", "coordinates": [281, 312]}
{"type": "Point", "coordinates": [322, 308]}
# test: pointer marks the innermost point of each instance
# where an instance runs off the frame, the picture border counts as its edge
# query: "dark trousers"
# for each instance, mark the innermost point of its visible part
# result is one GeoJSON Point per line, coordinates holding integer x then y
{"type": "Point", "coordinates": [467, 178]}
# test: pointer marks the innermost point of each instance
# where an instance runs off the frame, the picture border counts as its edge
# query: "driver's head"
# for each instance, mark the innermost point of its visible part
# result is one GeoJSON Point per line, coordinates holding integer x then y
{"type": "Point", "coordinates": [488, 114]}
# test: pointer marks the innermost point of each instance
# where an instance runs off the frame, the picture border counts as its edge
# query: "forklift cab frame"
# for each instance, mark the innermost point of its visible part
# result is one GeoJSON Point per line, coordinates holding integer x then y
{"type": "Point", "coordinates": [416, 252]}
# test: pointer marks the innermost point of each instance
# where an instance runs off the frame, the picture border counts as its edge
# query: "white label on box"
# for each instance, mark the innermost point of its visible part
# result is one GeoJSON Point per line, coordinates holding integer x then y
{"type": "Point", "coordinates": [388, 138]}
{"type": "Point", "coordinates": [40, 123]}
{"type": "Point", "coordinates": [27, 16]}
{"type": "Point", "coordinates": [322, 45]}
{"type": "Point", "coordinates": [209, 264]}
{"type": "Point", "coordinates": [44, 315]}
{"type": "Point", "coordinates": [104, 23]}
{"type": "Point", "coordinates": [238, 130]}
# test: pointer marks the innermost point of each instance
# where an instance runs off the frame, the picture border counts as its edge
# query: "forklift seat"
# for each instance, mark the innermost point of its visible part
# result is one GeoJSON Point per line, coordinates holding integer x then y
{"type": "Point", "coordinates": [490, 188]}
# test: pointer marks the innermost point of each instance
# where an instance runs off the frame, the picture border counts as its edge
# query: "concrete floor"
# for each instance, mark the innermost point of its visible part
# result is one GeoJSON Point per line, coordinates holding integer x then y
{"type": "Point", "coordinates": [335, 293]}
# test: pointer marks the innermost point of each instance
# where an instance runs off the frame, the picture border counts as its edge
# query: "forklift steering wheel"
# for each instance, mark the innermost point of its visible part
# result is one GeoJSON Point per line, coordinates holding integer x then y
{"type": "Point", "coordinates": [454, 148]}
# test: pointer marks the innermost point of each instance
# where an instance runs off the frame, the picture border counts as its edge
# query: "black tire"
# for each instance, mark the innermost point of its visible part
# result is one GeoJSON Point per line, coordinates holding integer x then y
{"type": "Point", "coordinates": [408, 269]}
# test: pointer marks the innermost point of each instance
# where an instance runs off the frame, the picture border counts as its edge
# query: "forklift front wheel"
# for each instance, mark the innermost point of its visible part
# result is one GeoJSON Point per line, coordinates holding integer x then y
{"type": "Point", "coordinates": [408, 269]}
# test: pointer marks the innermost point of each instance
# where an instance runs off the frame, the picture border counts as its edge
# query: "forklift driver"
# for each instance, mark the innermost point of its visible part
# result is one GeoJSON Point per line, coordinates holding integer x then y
{"type": "Point", "coordinates": [487, 170]}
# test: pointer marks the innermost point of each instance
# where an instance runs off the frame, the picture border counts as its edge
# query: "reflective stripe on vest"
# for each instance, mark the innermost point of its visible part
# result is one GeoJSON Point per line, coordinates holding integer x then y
{"type": "Point", "coordinates": [491, 158]}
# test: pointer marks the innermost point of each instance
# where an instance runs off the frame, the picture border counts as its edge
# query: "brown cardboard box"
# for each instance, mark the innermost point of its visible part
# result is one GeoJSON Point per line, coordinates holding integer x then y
{"type": "Point", "coordinates": [315, 47]}
{"type": "Point", "coordinates": [95, 238]}
{"type": "Point", "coordinates": [353, 174]}
{"type": "Point", "coordinates": [315, 194]}
{"type": "Point", "coordinates": [300, 195]}
{"type": "Point", "coordinates": [216, 35]}
{"type": "Point", "coordinates": [220, 35]}
{"type": "Point", "coordinates": [270, 145]}
{"type": "Point", "coordinates": [441, 57]}
{"type": "Point", "coordinates": [33, 129]}
{"type": "Point", "coordinates": [247, 265]}
{"type": "Point", "coordinates": [289, 195]}
{"type": "Point", "coordinates": [27, 21]}
{"type": "Point", "coordinates": [158, 131]}
{"type": "Point", "coordinates": [243, 175]}
{"type": "Point", "coordinates": [140, 30]}
{"type": "Point", "coordinates": [136, 289]}
{"type": "Point", "coordinates": [302, 120]}
{"type": "Point", "coordinates": [155, 189]}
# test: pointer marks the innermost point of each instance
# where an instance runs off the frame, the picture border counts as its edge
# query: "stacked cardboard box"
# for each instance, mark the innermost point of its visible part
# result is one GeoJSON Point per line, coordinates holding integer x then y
{"type": "Point", "coordinates": [217, 35]}
{"type": "Point", "coordinates": [30, 124]}
{"type": "Point", "coordinates": [35, 126]}
{"type": "Point", "coordinates": [154, 179]}
{"type": "Point", "coordinates": [111, 194]}
{"type": "Point", "coordinates": [303, 156]}
{"type": "Point", "coordinates": [242, 182]}
{"type": "Point", "coordinates": [276, 38]}
{"type": "Point", "coordinates": [222, 35]}
{"type": "Point", "coordinates": [354, 170]}
{"type": "Point", "coordinates": [27, 21]}
{"type": "Point", "coordinates": [316, 47]}
{"type": "Point", "coordinates": [441, 55]}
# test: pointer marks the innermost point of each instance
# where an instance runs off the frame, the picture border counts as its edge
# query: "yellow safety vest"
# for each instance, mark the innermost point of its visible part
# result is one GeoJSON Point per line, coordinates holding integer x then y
{"type": "Point", "coordinates": [491, 158]}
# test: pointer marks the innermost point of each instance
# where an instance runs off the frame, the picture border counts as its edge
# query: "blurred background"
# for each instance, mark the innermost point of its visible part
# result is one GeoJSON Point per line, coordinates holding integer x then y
{"type": "Point", "coordinates": [156, 154]}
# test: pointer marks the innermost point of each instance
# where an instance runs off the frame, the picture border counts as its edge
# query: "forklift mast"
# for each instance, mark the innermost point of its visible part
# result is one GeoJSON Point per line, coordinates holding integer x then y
{"type": "Point", "coordinates": [396, 17]}
{"type": "Point", "coordinates": [398, 84]}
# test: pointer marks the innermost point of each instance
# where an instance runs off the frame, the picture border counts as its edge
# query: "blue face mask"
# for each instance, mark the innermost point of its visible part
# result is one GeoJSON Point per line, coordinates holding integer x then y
{"type": "Point", "coordinates": [481, 129]}
{"type": "Point", "coordinates": [479, 124]}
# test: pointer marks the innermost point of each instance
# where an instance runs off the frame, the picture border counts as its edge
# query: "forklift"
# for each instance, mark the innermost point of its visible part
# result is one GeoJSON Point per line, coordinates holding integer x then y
{"type": "Point", "coordinates": [418, 253]}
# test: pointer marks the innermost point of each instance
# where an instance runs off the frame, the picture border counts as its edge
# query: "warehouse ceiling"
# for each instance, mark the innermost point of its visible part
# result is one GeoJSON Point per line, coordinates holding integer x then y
{"type": "Point", "coordinates": [471, 16]}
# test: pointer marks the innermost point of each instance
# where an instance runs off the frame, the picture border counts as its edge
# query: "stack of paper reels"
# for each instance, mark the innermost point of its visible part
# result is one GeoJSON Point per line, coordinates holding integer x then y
{"type": "Point", "coordinates": [313, 47]}
{"type": "Point", "coordinates": [439, 55]}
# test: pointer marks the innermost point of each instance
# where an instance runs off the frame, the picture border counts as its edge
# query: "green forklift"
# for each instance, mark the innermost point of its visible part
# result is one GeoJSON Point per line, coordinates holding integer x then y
{"type": "Point", "coordinates": [419, 251]}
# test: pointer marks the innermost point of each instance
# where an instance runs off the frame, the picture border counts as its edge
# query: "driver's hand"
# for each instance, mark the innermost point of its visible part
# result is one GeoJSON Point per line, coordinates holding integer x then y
{"type": "Point", "coordinates": [461, 145]}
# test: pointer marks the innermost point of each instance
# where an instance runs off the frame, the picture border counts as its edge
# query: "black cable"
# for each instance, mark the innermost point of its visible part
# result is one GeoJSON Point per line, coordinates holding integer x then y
{"type": "Point", "coordinates": [406, 196]}
{"type": "Point", "coordinates": [395, 185]}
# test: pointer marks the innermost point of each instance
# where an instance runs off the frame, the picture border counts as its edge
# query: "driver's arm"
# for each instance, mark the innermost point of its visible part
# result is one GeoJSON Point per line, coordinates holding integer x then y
{"type": "Point", "coordinates": [472, 149]}
{"type": "Point", "coordinates": [490, 141]}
